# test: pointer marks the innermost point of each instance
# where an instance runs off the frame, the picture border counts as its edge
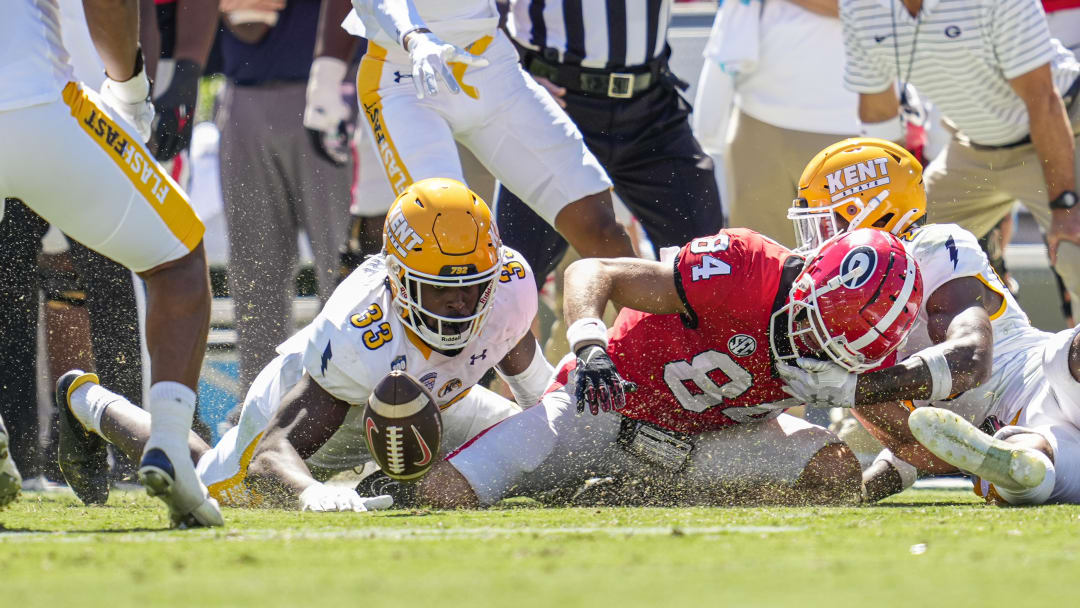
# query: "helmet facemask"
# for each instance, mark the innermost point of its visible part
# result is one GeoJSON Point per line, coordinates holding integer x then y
{"type": "Point", "coordinates": [441, 332]}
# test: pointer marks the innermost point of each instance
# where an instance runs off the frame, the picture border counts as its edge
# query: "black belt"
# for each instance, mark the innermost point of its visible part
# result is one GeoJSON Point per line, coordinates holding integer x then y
{"type": "Point", "coordinates": [590, 81]}
{"type": "Point", "coordinates": [1067, 99]}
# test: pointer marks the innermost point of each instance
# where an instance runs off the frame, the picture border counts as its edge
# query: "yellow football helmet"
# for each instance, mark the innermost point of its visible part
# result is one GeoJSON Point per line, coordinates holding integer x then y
{"type": "Point", "coordinates": [870, 183]}
{"type": "Point", "coordinates": [438, 232]}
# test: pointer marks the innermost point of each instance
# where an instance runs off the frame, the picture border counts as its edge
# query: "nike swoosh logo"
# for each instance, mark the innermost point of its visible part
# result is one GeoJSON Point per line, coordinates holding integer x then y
{"type": "Point", "coordinates": [878, 39]}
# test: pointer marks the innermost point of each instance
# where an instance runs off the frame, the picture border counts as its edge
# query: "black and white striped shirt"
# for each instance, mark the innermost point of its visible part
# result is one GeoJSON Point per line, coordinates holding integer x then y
{"type": "Point", "coordinates": [964, 54]}
{"type": "Point", "coordinates": [606, 34]}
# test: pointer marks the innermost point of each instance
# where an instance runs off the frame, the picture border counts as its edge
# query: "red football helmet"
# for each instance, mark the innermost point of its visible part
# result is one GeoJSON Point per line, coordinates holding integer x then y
{"type": "Point", "coordinates": [854, 301]}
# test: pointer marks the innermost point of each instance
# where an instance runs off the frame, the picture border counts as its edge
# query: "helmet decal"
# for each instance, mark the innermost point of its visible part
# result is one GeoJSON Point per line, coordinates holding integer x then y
{"type": "Point", "coordinates": [858, 177]}
{"type": "Point", "coordinates": [857, 267]}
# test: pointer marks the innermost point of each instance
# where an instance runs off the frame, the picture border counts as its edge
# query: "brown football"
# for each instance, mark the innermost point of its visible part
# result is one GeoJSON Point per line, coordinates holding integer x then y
{"type": "Point", "coordinates": [402, 426]}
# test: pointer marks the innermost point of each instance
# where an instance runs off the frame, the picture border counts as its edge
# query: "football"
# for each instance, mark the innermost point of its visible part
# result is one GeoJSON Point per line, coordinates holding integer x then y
{"type": "Point", "coordinates": [402, 426]}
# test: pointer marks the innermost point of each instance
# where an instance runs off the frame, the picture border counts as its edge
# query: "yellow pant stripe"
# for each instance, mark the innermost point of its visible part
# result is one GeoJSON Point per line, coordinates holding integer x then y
{"type": "Point", "coordinates": [368, 78]}
{"type": "Point", "coordinates": [166, 197]}
{"type": "Point", "coordinates": [232, 491]}
{"type": "Point", "coordinates": [458, 68]}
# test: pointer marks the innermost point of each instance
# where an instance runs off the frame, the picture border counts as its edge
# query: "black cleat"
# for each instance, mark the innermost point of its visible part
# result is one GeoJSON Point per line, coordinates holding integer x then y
{"type": "Point", "coordinates": [81, 454]}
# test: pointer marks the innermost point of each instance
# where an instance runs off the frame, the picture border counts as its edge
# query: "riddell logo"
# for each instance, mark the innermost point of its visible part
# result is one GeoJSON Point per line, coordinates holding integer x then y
{"type": "Point", "coordinates": [858, 177]}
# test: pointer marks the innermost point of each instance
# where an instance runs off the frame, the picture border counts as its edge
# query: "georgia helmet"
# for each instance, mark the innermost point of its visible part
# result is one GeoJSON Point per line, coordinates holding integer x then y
{"type": "Point", "coordinates": [855, 301]}
{"type": "Point", "coordinates": [439, 233]}
{"type": "Point", "coordinates": [867, 182]}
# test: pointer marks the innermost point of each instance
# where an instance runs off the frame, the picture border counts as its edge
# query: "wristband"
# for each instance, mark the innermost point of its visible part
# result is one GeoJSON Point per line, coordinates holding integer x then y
{"type": "Point", "coordinates": [134, 89]}
{"type": "Point", "coordinates": [583, 332]}
{"type": "Point", "coordinates": [940, 374]}
{"type": "Point", "coordinates": [415, 30]}
{"type": "Point", "coordinates": [890, 129]}
{"type": "Point", "coordinates": [906, 470]}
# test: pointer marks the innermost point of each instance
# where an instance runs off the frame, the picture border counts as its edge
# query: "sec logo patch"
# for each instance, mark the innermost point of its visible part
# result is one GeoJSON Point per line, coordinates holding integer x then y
{"type": "Point", "coordinates": [741, 345]}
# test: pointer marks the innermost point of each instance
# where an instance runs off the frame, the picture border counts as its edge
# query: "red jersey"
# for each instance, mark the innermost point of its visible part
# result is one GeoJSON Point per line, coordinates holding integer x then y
{"type": "Point", "coordinates": [712, 367]}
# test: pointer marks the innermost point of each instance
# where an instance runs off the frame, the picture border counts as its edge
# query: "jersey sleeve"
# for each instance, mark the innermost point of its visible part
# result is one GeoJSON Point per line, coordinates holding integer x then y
{"type": "Point", "coordinates": [1021, 36]}
{"type": "Point", "coordinates": [517, 279]}
{"type": "Point", "coordinates": [339, 364]}
{"type": "Point", "coordinates": [945, 252]}
{"type": "Point", "coordinates": [708, 273]}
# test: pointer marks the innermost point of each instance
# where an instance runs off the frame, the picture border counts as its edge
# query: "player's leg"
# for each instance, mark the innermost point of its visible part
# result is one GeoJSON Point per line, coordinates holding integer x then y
{"type": "Point", "coordinates": [784, 460]}
{"type": "Point", "coordinates": [530, 145]}
{"type": "Point", "coordinates": [10, 480]}
{"type": "Point", "coordinates": [546, 447]}
{"type": "Point", "coordinates": [107, 193]}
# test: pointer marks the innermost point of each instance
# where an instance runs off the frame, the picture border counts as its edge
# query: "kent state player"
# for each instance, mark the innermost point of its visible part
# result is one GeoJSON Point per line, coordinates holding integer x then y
{"type": "Point", "coordinates": [700, 339]}
{"type": "Point", "coordinates": [511, 123]}
{"type": "Point", "coordinates": [398, 311]}
{"type": "Point", "coordinates": [972, 350]}
{"type": "Point", "coordinates": [77, 159]}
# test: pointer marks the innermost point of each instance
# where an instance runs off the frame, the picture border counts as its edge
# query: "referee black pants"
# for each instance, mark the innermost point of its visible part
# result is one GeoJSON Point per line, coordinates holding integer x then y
{"type": "Point", "coordinates": [658, 168]}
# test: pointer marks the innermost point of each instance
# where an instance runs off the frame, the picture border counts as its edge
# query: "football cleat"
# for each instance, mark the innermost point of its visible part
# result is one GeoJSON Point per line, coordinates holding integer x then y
{"type": "Point", "coordinates": [189, 503]}
{"type": "Point", "coordinates": [81, 454]}
{"type": "Point", "coordinates": [10, 480]}
{"type": "Point", "coordinates": [961, 444]}
{"type": "Point", "coordinates": [377, 483]}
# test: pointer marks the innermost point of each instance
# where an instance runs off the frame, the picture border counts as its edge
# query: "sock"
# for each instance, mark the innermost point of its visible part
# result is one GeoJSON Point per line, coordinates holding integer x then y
{"type": "Point", "coordinates": [1032, 496]}
{"type": "Point", "coordinates": [171, 406]}
{"type": "Point", "coordinates": [88, 403]}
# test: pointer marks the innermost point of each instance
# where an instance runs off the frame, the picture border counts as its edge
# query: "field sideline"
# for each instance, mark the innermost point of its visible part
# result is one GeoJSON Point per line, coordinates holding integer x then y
{"type": "Point", "coordinates": [923, 547]}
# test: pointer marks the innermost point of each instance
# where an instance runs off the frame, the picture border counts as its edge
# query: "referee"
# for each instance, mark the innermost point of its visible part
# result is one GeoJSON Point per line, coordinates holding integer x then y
{"type": "Point", "coordinates": [606, 63]}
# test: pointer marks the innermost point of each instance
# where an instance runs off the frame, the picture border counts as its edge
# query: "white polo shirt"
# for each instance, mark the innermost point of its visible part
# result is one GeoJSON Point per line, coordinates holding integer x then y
{"type": "Point", "coordinates": [961, 53]}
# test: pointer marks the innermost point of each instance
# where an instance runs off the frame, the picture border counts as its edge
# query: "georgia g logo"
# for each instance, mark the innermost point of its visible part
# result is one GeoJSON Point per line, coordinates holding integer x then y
{"type": "Point", "coordinates": [857, 266]}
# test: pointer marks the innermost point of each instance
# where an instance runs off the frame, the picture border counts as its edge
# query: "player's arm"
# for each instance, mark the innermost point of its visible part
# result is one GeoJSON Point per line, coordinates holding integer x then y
{"type": "Point", "coordinates": [305, 421]}
{"type": "Point", "coordinates": [196, 26]}
{"type": "Point", "coordinates": [526, 371]}
{"type": "Point", "coordinates": [114, 28]}
{"type": "Point", "coordinates": [879, 115]}
{"type": "Point", "coordinates": [959, 325]}
{"type": "Point", "coordinates": [1053, 139]}
{"type": "Point", "coordinates": [331, 40]}
{"type": "Point", "coordinates": [325, 112]}
{"type": "Point", "coordinates": [643, 285]}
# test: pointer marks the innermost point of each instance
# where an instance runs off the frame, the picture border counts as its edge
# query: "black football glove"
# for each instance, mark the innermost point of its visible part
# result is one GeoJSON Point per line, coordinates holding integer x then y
{"type": "Point", "coordinates": [175, 111]}
{"type": "Point", "coordinates": [598, 383]}
{"type": "Point", "coordinates": [334, 146]}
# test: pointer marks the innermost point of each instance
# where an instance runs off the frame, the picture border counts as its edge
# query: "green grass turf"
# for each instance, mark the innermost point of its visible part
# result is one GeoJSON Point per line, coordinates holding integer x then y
{"type": "Point", "coordinates": [919, 549]}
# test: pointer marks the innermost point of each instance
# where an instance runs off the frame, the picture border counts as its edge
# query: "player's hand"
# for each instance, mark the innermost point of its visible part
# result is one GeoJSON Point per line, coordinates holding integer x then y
{"type": "Point", "coordinates": [326, 115]}
{"type": "Point", "coordinates": [131, 100]}
{"type": "Point", "coordinates": [1064, 226]}
{"type": "Point", "coordinates": [819, 383]}
{"type": "Point", "coordinates": [319, 497]}
{"type": "Point", "coordinates": [597, 383]}
{"type": "Point", "coordinates": [557, 93]}
{"type": "Point", "coordinates": [430, 57]}
{"type": "Point", "coordinates": [175, 105]}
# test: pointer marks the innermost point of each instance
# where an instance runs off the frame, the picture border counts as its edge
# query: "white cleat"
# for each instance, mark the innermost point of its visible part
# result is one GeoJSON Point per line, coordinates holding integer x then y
{"type": "Point", "coordinates": [961, 444]}
{"type": "Point", "coordinates": [174, 481]}
{"type": "Point", "coordinates": [10, 480]}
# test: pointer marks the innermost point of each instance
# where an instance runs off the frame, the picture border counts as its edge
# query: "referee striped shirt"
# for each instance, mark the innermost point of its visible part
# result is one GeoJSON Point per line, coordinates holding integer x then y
{"type": "Point", "coordinates": [961, 54]}
{"type": "Point", "coordinates": [605, 34]}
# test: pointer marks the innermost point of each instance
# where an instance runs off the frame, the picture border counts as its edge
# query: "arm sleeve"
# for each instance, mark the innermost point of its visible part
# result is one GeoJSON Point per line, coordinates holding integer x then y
{"type": "Point", "coordinates": [862, 73]}
{"type": "Point", "coordinates": [395, 17]}
{"type": "Point", "coordinates": [1021, 36]}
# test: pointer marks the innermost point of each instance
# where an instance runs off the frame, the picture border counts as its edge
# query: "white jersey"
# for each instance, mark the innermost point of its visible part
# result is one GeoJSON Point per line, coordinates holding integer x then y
{"type": "Point", "coordinates": [945, 252]}
{"type": "Point", "coordinates": [461, 22]}
{"type": "Point", "coordinates": [357, 339]}
{"type": "Point", "coordinates": [34, 65]}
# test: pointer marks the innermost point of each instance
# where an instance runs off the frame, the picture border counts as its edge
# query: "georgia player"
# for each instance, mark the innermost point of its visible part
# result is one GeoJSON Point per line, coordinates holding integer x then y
{"type": "Point", "coordinates": [444, 302]}
{"type": "Point", "coordinates": [699, 340]}
{"type": "Point", "coordinates": [972, 351]}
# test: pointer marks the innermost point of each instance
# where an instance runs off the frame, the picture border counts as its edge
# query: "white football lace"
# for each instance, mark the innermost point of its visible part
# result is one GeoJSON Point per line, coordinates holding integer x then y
{"type": "Point", "coordinates": [395, 453]}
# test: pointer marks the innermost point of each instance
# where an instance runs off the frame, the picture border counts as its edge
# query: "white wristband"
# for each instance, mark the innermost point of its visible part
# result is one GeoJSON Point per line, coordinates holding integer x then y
{"type": "Point", "coordinates": [906, 470]}
{"type": "Point", "coordinates": [131, 91]}
{"type": "Point", "coordinates": [890, 129]}
{"type": "Point", "coordinates": [940, 374]}
{"type": "Point", "coordinates": [589, 329]}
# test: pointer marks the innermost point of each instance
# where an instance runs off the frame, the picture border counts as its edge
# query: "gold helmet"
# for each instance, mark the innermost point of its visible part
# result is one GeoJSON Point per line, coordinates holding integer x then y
{"type": "Point", "coordinates": [440, 233]}
{"type": "Point", "coordinates": [869, 183]}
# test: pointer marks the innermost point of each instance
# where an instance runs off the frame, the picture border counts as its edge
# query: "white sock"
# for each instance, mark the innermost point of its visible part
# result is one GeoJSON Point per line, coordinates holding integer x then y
{"type": "Point", "coordinates": [1032, 496]}
{"type": "Point", "coordinates": [171, 406]}
{"type": "Point", "coordinates": [88, 403]}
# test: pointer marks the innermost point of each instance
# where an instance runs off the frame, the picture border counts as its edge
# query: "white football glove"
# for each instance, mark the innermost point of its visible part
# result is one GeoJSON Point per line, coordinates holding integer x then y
{"type": "Point", "coordinates": [429, 57]}
{"type": "Point", "coordinates": [319, 497]}
{"type": "Point", "coordinates": [325, 109]}
{"type": "Point", "coordinates": [819, 383]}
{"type": "Point", "coordinates": [131, 100]}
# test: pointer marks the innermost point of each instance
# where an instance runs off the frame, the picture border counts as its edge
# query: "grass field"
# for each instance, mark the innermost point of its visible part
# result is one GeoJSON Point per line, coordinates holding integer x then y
{"type": "Point", "coordinates": [920, 548]}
